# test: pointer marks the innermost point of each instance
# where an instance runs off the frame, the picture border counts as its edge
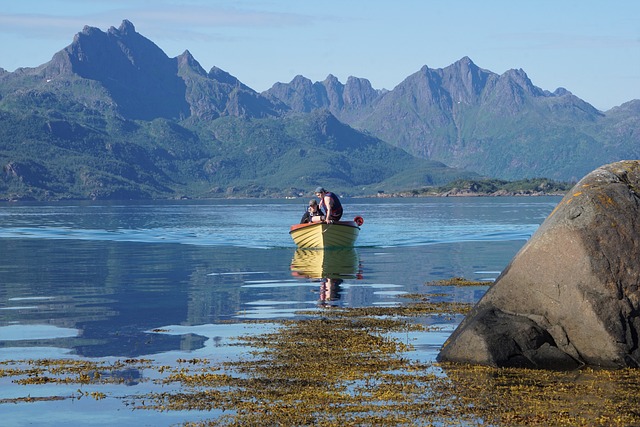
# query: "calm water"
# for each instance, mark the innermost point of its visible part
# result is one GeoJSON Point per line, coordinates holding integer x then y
{"type": "Point", "coordinates": [89, 280]}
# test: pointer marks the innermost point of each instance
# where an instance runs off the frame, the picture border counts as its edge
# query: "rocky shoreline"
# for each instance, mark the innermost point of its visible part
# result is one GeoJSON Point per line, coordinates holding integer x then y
{"type": "Point", "coordinates": [466, 193]}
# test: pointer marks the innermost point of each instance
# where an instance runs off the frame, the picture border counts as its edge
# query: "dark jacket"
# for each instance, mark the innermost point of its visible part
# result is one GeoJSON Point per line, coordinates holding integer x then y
{"type": "Point", "coordinates": [307, 215]}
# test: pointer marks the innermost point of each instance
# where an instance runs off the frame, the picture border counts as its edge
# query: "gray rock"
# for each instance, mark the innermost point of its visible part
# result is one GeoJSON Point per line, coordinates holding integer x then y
{"type": "Point", "coordinates": [570, 296]}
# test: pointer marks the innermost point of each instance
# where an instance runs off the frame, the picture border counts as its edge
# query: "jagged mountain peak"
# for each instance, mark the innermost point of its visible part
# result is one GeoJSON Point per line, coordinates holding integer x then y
{"type": "Point", "coordinates": [88, 31]}
{"type": "Point", "coordinates": [464, 64]}
{"type": "Point", "coordinates": [94, 51]}
{"type": "Point", "coordinates": [520, 79]}
{"type": "Point", "coordinates": [144, 83]}
{"type": "Point", "coordinates": [135, 46]}
{"type": "Point", "coordinates": [301, 80]}
{"type": "Point", "coordinates": [462, 67]}
{"type": "Point", "coordinates": [140, 77]}
{"type": "Point", "coordinates": [332, 83]}
{"type": "Point", "coordinates": [358, 92]}
{"type": "Point", "coordinates": [126, 27]}
{"type": "Point", "coordinates": [358, 81]}
{"type": "Point", "coordinates": [466, 61]}
{"type": "Point", "coordinates": [465, 80]}
{"type": "Point", "coordinates": [561, 92]}
{"type": "Point", "coordinates": [186, 60]}
{"type": "Point", "coordinates": [517, 74]}
{"type": "Point", "coordinates": [331, 79]}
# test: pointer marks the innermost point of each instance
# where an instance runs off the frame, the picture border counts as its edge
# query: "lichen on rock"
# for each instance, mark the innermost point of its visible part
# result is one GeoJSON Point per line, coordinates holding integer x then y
{"type": "Point", "coordinates": [570, 296]}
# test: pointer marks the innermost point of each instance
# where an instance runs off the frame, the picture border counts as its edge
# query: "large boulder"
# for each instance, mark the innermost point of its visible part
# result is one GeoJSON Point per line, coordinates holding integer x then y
{"type": "Point", "coordinates": [570, 296]}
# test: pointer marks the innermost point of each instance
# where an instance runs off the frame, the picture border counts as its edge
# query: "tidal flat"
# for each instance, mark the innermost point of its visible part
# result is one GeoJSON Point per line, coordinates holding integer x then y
{"type": "Point", "coordinates": [335, 367]}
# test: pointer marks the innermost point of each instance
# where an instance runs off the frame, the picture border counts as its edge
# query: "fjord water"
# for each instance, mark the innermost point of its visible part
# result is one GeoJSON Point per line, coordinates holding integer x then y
{"type": "Point", "coordinates": [168, 280]}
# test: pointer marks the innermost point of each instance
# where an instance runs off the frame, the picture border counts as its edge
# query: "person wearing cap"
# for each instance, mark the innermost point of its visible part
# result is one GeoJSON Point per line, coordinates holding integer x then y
{"type": "Point", "coordinates": [331, 205]}
{"type": "Point", "coordinates": [313, 213]}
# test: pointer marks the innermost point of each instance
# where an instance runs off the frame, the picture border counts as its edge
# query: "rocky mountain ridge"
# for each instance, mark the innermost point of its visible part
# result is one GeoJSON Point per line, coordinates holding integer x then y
{"type": "Point", "coordinates": [120, 85]}
{"type": "Point", "coordinates": [465, 116]}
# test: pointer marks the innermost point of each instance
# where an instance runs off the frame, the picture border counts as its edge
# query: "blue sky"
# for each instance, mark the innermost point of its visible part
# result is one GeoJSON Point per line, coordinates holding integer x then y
{"type": "Point", "coordinates": [591, 48]}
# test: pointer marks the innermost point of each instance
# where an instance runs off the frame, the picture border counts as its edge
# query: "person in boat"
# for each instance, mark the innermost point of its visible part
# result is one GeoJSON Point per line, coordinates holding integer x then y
{"type": "Point", "coordinates": [331, 204]}
{"type": "Point", "coordinates": [313, 213]}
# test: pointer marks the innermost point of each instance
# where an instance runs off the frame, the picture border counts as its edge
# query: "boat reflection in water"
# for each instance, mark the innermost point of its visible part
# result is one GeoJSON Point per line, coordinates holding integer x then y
{"type": "Point", "coordinates": [331, 266]}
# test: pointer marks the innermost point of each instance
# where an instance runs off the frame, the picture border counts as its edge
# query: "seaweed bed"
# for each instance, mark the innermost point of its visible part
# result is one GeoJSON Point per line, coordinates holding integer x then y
{"type": "Point", "coordinates": [347, 367]}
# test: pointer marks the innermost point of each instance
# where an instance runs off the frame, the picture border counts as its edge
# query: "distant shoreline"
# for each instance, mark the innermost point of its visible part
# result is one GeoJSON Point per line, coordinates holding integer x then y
{"type": "Point", "coordinates": [500, 193]}
{"type": "Point", "coordinates": [465, 191]}
{"type": "Point", "coordinates": [489, 188]}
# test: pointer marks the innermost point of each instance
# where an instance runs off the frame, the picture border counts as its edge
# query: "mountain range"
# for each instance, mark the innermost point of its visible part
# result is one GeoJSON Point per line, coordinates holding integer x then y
{"type": "Point", "coordinates": [470, 118]}
{"type": "Point", "coordinates": [112, 116]}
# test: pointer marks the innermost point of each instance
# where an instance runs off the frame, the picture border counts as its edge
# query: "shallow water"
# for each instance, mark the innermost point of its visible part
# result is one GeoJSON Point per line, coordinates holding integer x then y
{"type": "Point", "coordinates": [91, 280]}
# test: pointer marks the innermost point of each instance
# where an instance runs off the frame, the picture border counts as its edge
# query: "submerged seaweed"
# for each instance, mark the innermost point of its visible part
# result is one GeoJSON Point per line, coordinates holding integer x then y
{"type": "Point", "coordinates": [343, 367]}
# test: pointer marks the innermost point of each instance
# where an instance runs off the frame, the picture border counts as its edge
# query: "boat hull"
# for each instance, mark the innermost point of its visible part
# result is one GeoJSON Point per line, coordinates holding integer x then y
{"type": "Point", "coordinates": [341, 234]}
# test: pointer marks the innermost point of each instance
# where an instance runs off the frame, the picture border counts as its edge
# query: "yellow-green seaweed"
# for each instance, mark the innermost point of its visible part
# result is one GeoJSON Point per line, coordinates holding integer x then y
{"type": "Point", "coordinates": [343, 367]}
